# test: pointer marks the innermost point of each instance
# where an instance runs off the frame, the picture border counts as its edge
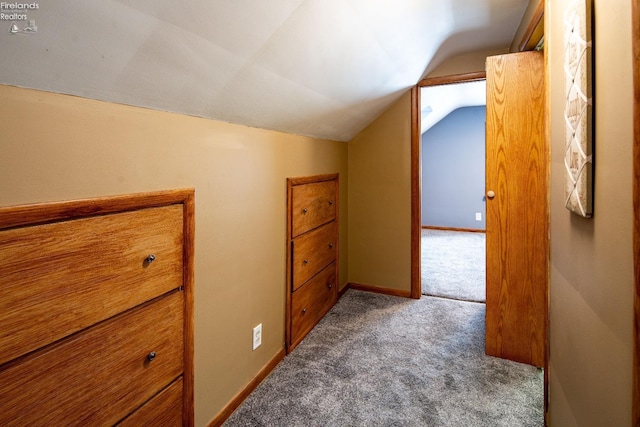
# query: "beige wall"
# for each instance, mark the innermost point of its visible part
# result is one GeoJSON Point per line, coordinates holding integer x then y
{"type": "Point", "coordinates": [591, 288]}
{"type": "Point", "coordinates": [380, 188]}
{"type": "Point", "coordinates": [465, 63]}
{"type": "Point", "coordinates": [380, 200]}
{"type": "Point", "coordinates": [56, 147]}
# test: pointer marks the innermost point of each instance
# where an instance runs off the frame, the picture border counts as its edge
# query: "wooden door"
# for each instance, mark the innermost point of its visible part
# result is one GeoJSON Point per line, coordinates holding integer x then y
{"type": "Point", "coordinates": [517, 164]}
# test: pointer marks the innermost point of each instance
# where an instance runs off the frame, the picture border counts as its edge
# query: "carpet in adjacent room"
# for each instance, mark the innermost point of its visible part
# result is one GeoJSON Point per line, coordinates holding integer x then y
{"type": "Point", "coordinates": [453, 264]}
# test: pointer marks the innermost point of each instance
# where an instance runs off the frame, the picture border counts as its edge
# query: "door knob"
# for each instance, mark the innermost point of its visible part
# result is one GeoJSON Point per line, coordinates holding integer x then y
{"type": "Point", "coordinates": [491, 194]}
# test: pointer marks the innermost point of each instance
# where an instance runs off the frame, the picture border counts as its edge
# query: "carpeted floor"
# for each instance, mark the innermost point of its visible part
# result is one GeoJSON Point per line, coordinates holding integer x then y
{"type": "Point", "coordinates": [378, 360]}
{"type": "Point", "coordinates": [453, 264]}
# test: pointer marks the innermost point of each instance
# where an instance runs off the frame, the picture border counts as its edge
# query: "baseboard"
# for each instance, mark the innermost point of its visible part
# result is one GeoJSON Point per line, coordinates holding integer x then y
{"type": "Point", "coordinates": [249, 388]}
{"type": "Point", "coordinates": [237, 400]}
{"type": "Point", "coordinates": [470, 230]}
{"type": "Point", "coordinates": [379, 290]}
{"type": "Point", "coordinates": [342, 290]}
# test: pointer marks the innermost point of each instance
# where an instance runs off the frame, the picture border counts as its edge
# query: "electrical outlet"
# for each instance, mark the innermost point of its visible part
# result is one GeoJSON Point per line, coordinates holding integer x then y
{"type": "Point", "coordinates": [478, 216]}
{"type": "Point", "coordinates": [257, 336]}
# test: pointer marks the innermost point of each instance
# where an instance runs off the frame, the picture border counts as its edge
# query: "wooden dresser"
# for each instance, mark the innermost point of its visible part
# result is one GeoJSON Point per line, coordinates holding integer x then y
{"type": "Point", "coordinates": [312, 253]}
{"type": "Point", "coordinates": [96, 311]}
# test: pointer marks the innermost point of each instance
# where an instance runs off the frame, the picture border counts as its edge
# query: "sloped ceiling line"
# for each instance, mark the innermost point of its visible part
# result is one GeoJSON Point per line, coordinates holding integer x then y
{"type": "Point", "coordinates": [321, 68]}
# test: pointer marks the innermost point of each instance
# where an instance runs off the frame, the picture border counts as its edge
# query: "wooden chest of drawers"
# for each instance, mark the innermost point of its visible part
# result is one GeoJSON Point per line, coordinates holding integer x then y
{"type": "Point", "coordinates": [312, 253]}
{"type": "Point", "coordinates": [96, 323]}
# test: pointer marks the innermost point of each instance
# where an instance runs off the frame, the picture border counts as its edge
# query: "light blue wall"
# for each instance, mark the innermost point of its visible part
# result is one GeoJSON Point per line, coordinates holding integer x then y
{"type": "Point", "coordinates": [453, 170]}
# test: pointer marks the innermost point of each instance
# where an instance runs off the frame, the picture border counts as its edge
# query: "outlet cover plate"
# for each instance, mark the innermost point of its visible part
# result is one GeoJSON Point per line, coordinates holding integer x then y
{"type": "Point", "coordinates": [257, 336]}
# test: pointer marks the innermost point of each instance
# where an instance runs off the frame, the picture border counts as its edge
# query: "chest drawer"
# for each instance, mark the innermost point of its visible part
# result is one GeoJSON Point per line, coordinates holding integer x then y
{"type": "Point", "coordinates": [312, 252]}
{"type": "Point", "coordinates": [58, 278]}
{"type": "Point", "coordinates": [312, 301]}
{"type": "Point", "coordinates": [313, 204]}
{"type": "Point", "coordinates": [100, 375]}
{"type": "Point", "coordinates": [164, 410]}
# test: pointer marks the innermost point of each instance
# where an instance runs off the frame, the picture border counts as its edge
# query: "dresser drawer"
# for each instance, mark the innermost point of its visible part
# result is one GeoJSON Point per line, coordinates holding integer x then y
{"type": "Point", "coordinates": [98, 376]}
{"type": "Point", "coordinates": [313, 204]}
{"type": "Point", "coordinates": [58, 278]}
{"type": "Point", "coordinates": [312, 252]}
{"type": "Point", "coordinates": [164, 410]}
{"type": "Point", "coordinates": [312, 301]}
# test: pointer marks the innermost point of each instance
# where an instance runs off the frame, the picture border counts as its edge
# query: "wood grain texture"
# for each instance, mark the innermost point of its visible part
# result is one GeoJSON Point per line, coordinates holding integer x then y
{"type": "Point", "coordinates": [636, 210]}
{"type": "Point", "coordinates": [14, 216]}
{"type": "Point", "coordinates": [288, 244]}
{"type": "Point", "coordinates": [109, 228]}
{"type": "Point", "coordinates": [71, 274]}
{"type": "Point", "coordinates": [379, 290]}
{"type": "Point", "coordinates": [517, 218]}
{"type": "Point", "coordinates": [310, 245]}
{"type": "Point", "coordinates": [311, 302]}
{"type": "Point", "coordinates": [416, 194]}
{"type": "Point", "coordinates": [188, 282]}
{"type": "Point", "coordinates": [314, 204]}
{"type": "Point", "coordinates": [98, 376]}
{"type": "Point", "coordinates": [312, 252]}
{"type": "Point", "coordinates": [547, 124]}
{"type": "Point", "coordinates": [165, 409]}
{"type": "Point", "coordinates": [299, 180]}
{"type": "Point", "coordinates": [453, 79]}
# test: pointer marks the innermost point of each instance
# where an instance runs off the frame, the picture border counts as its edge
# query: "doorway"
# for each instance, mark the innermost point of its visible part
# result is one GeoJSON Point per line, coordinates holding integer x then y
{"type": "Point", "coordinates": [416, 170]}
{"type": "Point", "coordinates": [453, 203]}
{"type": "Point", "coordinates": [517, 197]}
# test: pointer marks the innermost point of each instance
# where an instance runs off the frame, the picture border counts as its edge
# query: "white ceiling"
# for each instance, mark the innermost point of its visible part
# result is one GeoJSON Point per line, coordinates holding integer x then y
{"type": "Point", "coordinates": [323, 68]}
{"type": "Point", "coordinates": [437, 102]}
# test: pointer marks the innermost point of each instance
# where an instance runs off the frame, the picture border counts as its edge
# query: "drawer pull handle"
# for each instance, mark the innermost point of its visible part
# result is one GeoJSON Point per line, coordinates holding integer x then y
{"type": "Point", "coordinates": [330, 245]}
{"type": "Point", "coordinates": [305, 211]}
{"type": "Point", "coordinates": [329, 285]}
{"type": "Point", "coordinates": [330, 202]}
{"type": "Point", "coordinates": [151, 356]}
{"type": "Point", "coordinates": [149, 259]}
{"type": "Point", "coordinates": [305, 262]}
{"type": "Point", "coordinates": [304, 311]}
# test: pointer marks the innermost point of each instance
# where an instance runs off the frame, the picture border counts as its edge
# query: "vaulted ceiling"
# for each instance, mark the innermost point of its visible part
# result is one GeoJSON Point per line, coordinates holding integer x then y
{"type": "Point", "coordinates": [439, 101]}
{"type": "Point", "coordinates": [323, 68]}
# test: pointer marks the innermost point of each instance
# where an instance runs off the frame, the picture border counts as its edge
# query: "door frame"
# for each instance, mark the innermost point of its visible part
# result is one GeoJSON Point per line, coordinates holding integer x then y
{"type": "Point", "coordinates": [416, 170]}
{"type": "Point", "coordinates": [636, 209]}
{"type": "Point", "coordinates": [416, 209]}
